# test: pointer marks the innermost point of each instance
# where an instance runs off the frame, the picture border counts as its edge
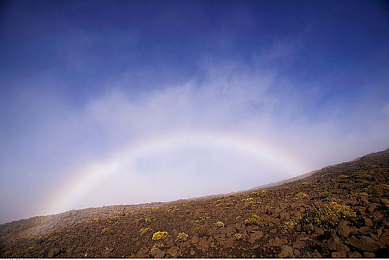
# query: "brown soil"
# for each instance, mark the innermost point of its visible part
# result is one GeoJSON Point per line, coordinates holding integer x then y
{"type": "Point", "coordinates": [339, 211]}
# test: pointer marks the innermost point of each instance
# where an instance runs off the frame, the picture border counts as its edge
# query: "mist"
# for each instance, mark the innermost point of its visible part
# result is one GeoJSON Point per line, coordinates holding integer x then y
{"type": "Point", "coordinates": [139, 123]}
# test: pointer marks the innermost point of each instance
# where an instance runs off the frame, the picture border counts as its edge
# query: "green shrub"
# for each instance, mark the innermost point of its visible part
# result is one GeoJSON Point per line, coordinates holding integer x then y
{"type": "Point", "coordinates": [329, 214]}
{"type": "Point", "coordinates": [252, 220]}
{"type": "Point", "coordinates": [159, 235]}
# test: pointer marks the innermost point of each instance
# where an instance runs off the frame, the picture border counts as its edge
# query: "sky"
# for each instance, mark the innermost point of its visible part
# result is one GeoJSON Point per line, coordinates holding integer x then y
{"type": "Point", "coordinates": [125, 102]}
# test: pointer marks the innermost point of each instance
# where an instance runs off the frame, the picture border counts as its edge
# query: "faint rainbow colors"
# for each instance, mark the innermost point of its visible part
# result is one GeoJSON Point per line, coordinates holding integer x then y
{"type": "Point", "coordinates": [97, 173]}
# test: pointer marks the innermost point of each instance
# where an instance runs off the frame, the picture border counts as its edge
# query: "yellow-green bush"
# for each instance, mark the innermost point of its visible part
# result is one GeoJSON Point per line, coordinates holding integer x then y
{"type": "Point", "coordinates": [107, 230]}
{"type": "Point", "coordinates": [238, 236]}
{"type": "Point", "coordinates": [159, 235]}
{"type": "Point", "coordinates": [248, 203]}
{"type": "Point", "coordinates": [143, 231]}
{"type": "Point", "coordinates": [182, 237]}
{"type": "Point", "coordinates": [301, 195]}
{"type": "Point", "coordinates": [219, 224]}
{"type": "Point", "coordinates": [252, 220]}
{"type": "Point", "coordinates": [362, 175]}
{"type": "Point", "coordinates": [329, 214]}
{"type": "Point", "coordinates": [290, 224]}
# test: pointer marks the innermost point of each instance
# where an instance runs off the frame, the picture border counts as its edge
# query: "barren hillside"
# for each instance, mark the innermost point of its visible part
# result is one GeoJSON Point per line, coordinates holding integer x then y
{"type": "Point", "coordinates": [339, 211]}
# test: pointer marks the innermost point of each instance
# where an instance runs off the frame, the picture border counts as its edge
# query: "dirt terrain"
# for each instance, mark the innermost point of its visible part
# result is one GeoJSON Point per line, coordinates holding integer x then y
{"type": "Point", "coordinates": [339, 211]}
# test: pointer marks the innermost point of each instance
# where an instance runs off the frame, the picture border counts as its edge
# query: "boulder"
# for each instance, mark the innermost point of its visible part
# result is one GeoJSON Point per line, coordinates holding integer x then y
{"type": "Point", "coordinates": [338, 254]}
{"type": "Point", "coordinates": [173, 251]}
{"type": "Point", "coordinates": [335, 244]}
{"type": "Point", "coordinates": [354, 255]}
{"type": "Point", "coordinates": [364, 243]}
{"type": "Point", "coordinates": [255, 236]}
{"type": "Point", "coordinates": [286, 251]}
{"type": "Point", "coordinates": [53, 252]}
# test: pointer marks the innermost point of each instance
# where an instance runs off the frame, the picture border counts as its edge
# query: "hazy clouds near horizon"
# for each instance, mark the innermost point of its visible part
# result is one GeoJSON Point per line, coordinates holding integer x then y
{"type": "Point", "coordinates": [53, 128]}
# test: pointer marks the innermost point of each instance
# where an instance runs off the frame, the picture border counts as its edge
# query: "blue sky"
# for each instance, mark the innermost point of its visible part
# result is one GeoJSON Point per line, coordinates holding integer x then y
{"type": "Point", "coordinates": [79, 80]}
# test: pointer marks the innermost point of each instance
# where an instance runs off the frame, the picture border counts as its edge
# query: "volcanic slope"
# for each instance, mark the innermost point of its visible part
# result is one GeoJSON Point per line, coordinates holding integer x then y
{"type": "Point", "coordinates": [339, 211]}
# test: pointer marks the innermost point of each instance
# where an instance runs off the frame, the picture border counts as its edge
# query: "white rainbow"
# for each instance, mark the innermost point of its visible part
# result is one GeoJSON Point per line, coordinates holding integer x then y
{"type": "Point", "coordinates": [95, 173]}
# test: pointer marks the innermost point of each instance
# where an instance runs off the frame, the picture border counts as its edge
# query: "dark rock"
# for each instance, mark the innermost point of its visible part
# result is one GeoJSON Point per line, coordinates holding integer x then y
{"type": "Point", "coordinates": [173, 251]}
{"type": "Point", "coordinates": [299, 244]}
{"type": "Point", "coordinates": [277, 242]}
{"type": "Point", "coordinates": [53, 252]}
{"type": "Point", "coordinates": [255, 236]}
{"type": "Point", "coordinates": [286, 251]}
{"type": "Point", "coordinates": [338, 254]}
{"type": "Point", "coordinates": [354, 255]}
{"type": "Point", "coordinates": [336, 244]}
{"type": "Point", "coordinates": [368, 255]}
{"type": "Point", "coordinates": [368, 222]}
{"type": "Point", "coordinates": [157, 253]}
{"type": "Point", "coordinates": [364, 243]}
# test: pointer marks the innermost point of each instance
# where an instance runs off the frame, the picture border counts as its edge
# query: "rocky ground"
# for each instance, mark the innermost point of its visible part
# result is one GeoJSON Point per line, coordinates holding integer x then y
{"type": "Point", "coordinates": [339, 211]}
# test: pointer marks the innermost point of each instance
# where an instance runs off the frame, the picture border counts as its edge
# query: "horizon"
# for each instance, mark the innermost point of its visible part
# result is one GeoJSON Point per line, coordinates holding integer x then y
{"type": "Point", "coordinates": [130, 102]}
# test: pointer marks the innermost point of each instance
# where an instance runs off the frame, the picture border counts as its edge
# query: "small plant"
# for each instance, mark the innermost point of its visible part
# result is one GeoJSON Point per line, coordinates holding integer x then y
{"type": "Point", "coordinates": [219, 224]}
{"type": "Point", "coordinates": [149, 220]}
{"type": "Point", "coordinates": [107, 230]}
{"type": "Point", "coordinates": [300, 195]}
{"type": "Point", "coordinates": [252, 220]}
{"type": "Point", "coordinates": [329, 214]}
{"type": "Point", "coordinates": [173, 209]}
{"type": "Point", "coordinates": [182, 237]}
{"type": "Point", "coordinates": [144, 231]}
{"type": "Point", "coordinates": [362, 175]}
{"type": "Point", "coordinates": [342, 176]}
{"type": "Point", "coordinates": [238, 236]}
{"type": "Point", "coordinates": [381, 188]}
{"type": "Point", "coordinates": [290, 224]}
{"type": "Point", "coordinates": [201, 230]}
{"type": "Point", "coordinates": [159, 235]}
{"type": "Point", "coordinates": [96, 219]}
{"type": "Point", "coordinates": [304, 183]}
{"type": "Point", "coordinates": [248, 203]}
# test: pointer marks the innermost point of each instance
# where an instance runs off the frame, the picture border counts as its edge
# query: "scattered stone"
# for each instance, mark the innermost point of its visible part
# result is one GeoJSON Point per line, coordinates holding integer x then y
{"type": "Point", "coordinates": [316, 254]}
{"type": "Point", "coordinates": [229, 244]}
{"type": "Point", "coordinates": [195, 240]}
{"type": "Point", "coordinates": [354, 255]}
{"type": "Point", "coordinates": [344, 229]}
{"type": "Point", "coordinates": [368, 255]}
{"type": "Point", "coordinates": [53, 252]}
{"type": "Point", "coordinates": [336, 244]}
{"type": "Point", "coordinates": [299, 244]}
{"type": "Point", "coordinates": [277, 242]}
{"type": "Point", "coordinates": [385, 202]}
{"type": "Point", "coordinates": [157, 253]}
{"type": "Point", "coordinates": [364, 243]}
{"type": "Point", "coordinates": [255, 236]}
{"type": "Point", "coordinates": [173, 251]}
{"type": "Point", "coordinates": [286, 251]}
{"type": "Point", "coordinates": [368, 222]}
{"type": "Point", "coordinates": [338, 254]}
